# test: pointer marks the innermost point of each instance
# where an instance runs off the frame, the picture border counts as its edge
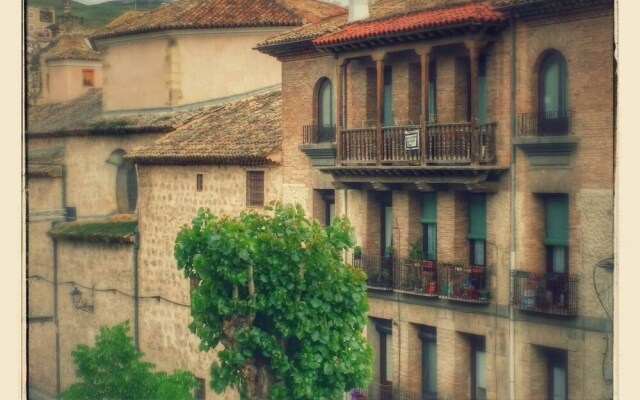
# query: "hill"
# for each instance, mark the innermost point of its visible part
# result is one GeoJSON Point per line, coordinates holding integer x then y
{"type": "Point", "coordinates": [98, 15]}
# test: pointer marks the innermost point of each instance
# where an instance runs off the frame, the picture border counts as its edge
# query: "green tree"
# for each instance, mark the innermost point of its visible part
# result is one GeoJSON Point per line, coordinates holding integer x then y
{"type": "Point", "coordinates": [114, 369]}
{"type": "Point", "coordinates": [274, 290]}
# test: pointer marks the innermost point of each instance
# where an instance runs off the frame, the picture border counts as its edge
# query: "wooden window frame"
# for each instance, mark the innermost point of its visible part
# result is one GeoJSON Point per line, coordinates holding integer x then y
{"type": "Point", "coordinates": [428, 335]}
{"type": "Point", "coordinates": [255, 188]}
{"type": "Point", "coordinates": [88, 77]}
{"type": "Point", "coordinates": [477, 343]}
{"type": "Point", "coordinates": [556, 357]}
{"type": "Point", "coordinates": [199, 182]}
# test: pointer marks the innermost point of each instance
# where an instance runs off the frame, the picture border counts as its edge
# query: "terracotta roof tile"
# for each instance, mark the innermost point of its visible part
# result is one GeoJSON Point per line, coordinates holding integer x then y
{"type": "Point", "coordinates": [208, 14]}
{"type": "Point", "coordinates": [307, 32]}
{"type": "Point", "coordinates": [83, 115]}
{"type": "Point", "coordinates": [70, 46]}
{"type": "Point", "coordinates": [240, 132]}
{"type": "Point", "coordinates": [419, 20]}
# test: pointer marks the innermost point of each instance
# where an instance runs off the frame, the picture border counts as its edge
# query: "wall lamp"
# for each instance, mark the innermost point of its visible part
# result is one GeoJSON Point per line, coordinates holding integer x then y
{"type": "Point", "coordinates": [79, 302]}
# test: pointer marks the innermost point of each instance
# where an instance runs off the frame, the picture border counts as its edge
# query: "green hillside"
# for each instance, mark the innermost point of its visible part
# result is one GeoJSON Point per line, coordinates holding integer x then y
{"type": "Point", "coordinates": [98, 15]}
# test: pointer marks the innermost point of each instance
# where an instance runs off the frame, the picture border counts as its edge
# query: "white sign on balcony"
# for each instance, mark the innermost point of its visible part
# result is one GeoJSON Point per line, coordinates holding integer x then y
{"type": "Point", "coordinates": [411, 141]}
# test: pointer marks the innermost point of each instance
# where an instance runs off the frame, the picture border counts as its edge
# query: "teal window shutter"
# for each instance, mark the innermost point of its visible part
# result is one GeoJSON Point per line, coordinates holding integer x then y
{"type": "Point", "coordinates": [482, 89]}
{"type": "Point", "coordinates": [433, 105]}
{"type": "Point", "coordinates": [477, 216]}
{"type": "Point", "coordinates": [387, 95]}
{"type": "Point", "coordinates": [429, 208]}
{"type": "Point", "coordinates": [557, 221]}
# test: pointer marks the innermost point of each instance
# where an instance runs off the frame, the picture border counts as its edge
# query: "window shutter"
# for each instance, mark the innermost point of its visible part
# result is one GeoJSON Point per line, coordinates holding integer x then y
{"type": "Point", "coordinates": [557, 221]}
{"type": "Point", "coordinates": [387, 109]}
{"type": "Point", "coordinates": [429, 208]}
{"type": "Point", "coordinates": [482, 90]}
{"type": "Point", "coordinates": [477, 216]}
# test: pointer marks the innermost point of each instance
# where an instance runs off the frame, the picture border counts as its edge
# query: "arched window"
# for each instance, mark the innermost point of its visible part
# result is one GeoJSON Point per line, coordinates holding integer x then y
{"type": "Point", "coordinates": [326, 120]}
{"type": "Point", "coordinates": [552, 102]}
{"type": "Point", "coordinates": [126, 182]}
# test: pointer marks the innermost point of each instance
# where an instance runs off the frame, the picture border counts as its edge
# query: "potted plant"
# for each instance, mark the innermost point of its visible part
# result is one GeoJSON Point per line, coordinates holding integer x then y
{"type": "Point", "coordinates": [416, 255]}
{"type": "Point", "coordinates": [357, 252]}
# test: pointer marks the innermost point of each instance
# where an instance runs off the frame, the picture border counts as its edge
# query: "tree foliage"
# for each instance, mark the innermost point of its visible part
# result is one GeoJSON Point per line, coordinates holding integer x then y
{"type": "Point", "coordinates": [275, 291]}
{"type": "Point", "coordinates": [113, 369]}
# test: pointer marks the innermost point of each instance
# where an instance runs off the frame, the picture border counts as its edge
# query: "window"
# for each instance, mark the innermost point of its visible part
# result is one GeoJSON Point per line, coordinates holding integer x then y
{"type": "Point", "coordinates": [428, 336]}
{"type": "Point", "coordinates": [126, 182]}
{"type": "Point", "coordinates": [552, 100]}
{"type": "Point", "coordinates": [557, 233]}
{"type": "Point", "coordinates": [433, 98]}
{"type": "Point", "coordinates": [482, 89]}
{"type": "Point", "coordinates": [386, 224]}
{"type": "Point", "coordinates": [46, 16]}
{"type": "Point", "coordinates": [326, 120]}
{"type": "Point", "coordinates": [30, 27]}
{"type": "Point", "coordinates": [255, 188]}
{"type": "Point", "coordinates": [87, 77]}
{"type": "Point", "coordinates": [557, 374]}
{"type": "Point", "coordinates": [329, 199]}
{"type": "Point", "coordinates": [429, 225]}
{"type": "Point", "coordinates": [199, 182]}
{"type": "Point", "coordinates": [477, 228]}
{"type": "Point", "coordinates": [199, 392]}
{"type": "Point", "coordinates": [384, 329]}
{"type": "Point", "coordinates": [387, 98]}
{"type": "Point", "coordinates": [478, 368]}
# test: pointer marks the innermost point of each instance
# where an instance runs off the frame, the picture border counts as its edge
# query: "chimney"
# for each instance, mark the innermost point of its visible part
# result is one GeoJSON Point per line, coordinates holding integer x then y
{"type": "Point", "coordinates": [358, 10]}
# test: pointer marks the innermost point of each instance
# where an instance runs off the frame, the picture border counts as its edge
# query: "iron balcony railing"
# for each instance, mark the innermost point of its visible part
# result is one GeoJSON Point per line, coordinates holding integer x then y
{"type": "Point", "coordinates": [416, 277]}
{"type": "Point", "coordinates": [469, 283]}
{"type": "Point", "coordinates": [412, 145]}
{"type": "Point", "coordinates": [550, 293]}
{"type": "Point", "coordinates": [554, 123]}
{"type": "Point", "coordinates": [379, 270]}
{"type": "Point", "coordinates": [314, 134]}
{"type": "Point", "coordinates": [377, 391]}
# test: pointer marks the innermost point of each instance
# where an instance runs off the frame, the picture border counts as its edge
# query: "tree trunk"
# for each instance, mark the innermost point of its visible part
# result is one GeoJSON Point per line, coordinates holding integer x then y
{"type": "Point", "coordinates": [258, 380]}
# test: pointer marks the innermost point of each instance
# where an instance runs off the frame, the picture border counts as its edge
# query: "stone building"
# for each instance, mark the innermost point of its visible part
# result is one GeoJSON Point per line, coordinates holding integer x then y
{"type": "Point", "coordinates": [97, 223]}
{"type": "Point", "coordinates": [471, 145]}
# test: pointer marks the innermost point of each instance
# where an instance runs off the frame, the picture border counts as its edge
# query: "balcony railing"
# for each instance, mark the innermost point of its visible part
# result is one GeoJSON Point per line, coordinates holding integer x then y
{"type": "Point", "coordinates": [551, 293]}
{"type": "Point", "coordinates": [379, 270]}
{"type": "Point", "coordinates": [416, 277]}
{"type": "Point", "coordinates": [544, 124]}
{"type": "Point", "coordinates": [377, 391]}
{"type": "Point", "coordinates": [445, 144]}
{"type": "Point", "coordinates": [314, 134]}
{"type": "Point", "coordinates": [467, 283]}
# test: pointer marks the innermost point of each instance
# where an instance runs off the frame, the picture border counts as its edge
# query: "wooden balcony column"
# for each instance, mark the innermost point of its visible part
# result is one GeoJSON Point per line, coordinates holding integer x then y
{"type": "Point", "coordinates": [424, 53]}
{"type": "Point", "coordinates": [378, 58]}
{"type": "Point", "coordinates": [473, 45]}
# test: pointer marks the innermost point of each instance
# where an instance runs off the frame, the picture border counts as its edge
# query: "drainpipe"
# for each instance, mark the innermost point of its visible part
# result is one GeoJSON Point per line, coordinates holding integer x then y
{"type": "Point", "coordinates": [344, 94]}
{"type": "Point", "coordinates": [512, 186]}
{"type": "Point", "coordinates": [136, 311]}
{"type": "Point", "coordinates": [64, 186]}
{"type": "Point", "coordinates": [54, 261]}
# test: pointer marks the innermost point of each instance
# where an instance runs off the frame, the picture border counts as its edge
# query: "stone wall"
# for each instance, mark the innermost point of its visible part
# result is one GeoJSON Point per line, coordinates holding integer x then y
{"type": "Point", "coordinates": [168, 199]}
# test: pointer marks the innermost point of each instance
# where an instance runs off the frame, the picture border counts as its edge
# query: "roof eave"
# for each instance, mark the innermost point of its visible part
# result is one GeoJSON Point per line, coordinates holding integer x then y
{"type": "Point", "coordinates": [411, 36]}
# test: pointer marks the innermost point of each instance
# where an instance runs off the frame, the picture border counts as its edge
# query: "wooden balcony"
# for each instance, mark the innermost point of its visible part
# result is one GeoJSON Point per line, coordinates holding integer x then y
{"type": "Point", "coordinates": [550, 293]}
{"type": "Point", "coordinates": [468, 283]}
{"type": "Point", "coordinates": [437, 144]}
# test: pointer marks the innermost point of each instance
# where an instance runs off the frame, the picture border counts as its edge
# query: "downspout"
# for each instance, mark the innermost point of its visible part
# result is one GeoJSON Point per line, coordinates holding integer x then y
{"type": "Point", "coordinates": [64, 186]}
{"type": "Point", "coordinates": [54, 260]}
{"type": "Point", "coordinates": [136, 311]}
{"type": "Point", "coordinates": [512, 186]}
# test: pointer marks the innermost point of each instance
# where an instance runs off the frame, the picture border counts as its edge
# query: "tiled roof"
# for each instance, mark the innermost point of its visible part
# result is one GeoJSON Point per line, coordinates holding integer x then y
{"type": "Point", "coordinates": [83, 115]}
{"type": "Point", "coordinates": [124, 18]}
{"type": "Point", "coordinates": [209, 14]}
{"type": "Point", "coordinates": [245, 131]}
{"type": "Point", "coordinates": [116, 229]}
{"type": "Point", "coordinates": [46, 162]}
{"type": "Point", "coordinates": [307, 32]}
{"type": "Point", "coordinates": [70, 46]}
{"type": "Point", "coordinates": [420, 20]}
